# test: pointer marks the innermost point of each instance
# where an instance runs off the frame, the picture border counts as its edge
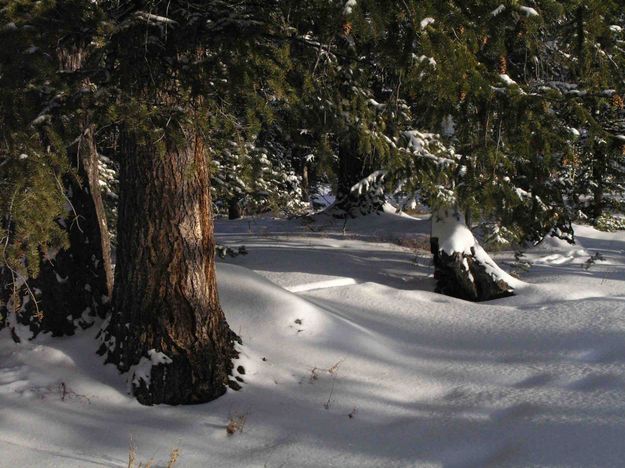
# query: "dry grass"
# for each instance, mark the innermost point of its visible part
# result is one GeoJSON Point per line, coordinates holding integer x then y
{"type": "Point", "coordinates": [236, 423]}
{"type": "Point", "coordinates": [174, 455]}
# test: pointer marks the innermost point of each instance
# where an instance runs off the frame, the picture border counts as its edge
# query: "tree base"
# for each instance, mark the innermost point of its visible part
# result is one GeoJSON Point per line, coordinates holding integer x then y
{"type": "Point", "coordinates": [68, 295]}
{"type": "Point", "coordinates": [463, 276]}
{"type": "Point", "coordinates": [353, 206]}
{"type": "Point", "coordinates": [188, 380]}
{"type": "Point", "coordinates": [173, 376]}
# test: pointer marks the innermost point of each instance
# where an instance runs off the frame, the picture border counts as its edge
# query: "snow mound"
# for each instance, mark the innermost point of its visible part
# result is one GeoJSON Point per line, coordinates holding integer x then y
{"type": "Point", "coordinates": [358, 375]}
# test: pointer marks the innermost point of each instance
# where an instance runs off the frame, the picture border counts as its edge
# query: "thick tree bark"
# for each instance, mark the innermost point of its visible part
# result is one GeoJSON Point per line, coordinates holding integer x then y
{"type": "Point", "coordinates": [351, 204]}
{"type": "Point", "coordinates": [461, 267]}
{"type": "Point", "coordinates": [166, 315]}
{"type": "Point", "coordinates": [75, 284]}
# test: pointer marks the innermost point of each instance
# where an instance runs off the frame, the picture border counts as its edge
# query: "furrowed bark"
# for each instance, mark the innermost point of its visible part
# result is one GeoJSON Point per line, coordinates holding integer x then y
{"type": "Point", "coordinates": [165, 298]}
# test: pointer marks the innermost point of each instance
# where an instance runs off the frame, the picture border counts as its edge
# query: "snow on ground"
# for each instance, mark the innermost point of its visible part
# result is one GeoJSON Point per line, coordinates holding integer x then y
{"type": "Point", "coordinates": [351, 360]}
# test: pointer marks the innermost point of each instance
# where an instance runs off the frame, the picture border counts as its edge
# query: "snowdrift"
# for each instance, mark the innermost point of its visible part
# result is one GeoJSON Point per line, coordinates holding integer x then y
{"type": "Point", "coordinates": [354, 370]}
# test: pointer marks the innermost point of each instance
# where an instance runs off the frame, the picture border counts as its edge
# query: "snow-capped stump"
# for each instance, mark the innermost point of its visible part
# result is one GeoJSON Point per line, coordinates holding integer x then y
{"type": "Point", "coordinates": [462, 268]}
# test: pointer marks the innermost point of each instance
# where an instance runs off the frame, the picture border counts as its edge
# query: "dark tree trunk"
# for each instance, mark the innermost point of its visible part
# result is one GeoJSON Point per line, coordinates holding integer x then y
{"type": "Point", "coordinates": [234, 209]}
{"type": "Point", "coordinates": [352, 169]}
{"type": "Point", "coordinates": [74, 286]}
{"type": "Point", "coordinates": [581, 40]}
{"type": "Point", "coordinates": [468, 216]}
{"type": "Point", "coordinates": [305, 183]}
{"type": "Point", "coordinates": [165, 298]}
{"type": "Point", "coordinates": [599, 172]}
{"type": "Point", "coordinates": [462, 276]}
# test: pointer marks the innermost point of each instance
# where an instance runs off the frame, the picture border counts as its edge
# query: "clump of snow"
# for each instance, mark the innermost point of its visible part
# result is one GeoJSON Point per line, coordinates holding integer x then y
{"type": "Point", "coordinates": [349, 7]}
{"type": "Point", "coordinates": [376, 104]}
{"type": "Point", "coordinates": [575, 132]}
{"type": "Point", "coordinates": [522, 194]}
{"type": "Point", "coordinates": [498, 10]}
{"type": "Point", "coordinates": [155, 19]}
{"type": "Point", "coordinates": [529, 11]}
{"type": "Point", "coordinates": [425, 58]}
{"type": "Point", "coordinates": [420, 143]}
{"type": "Point", "coordinates": [375, 179]}
{"type": "Point", "coordinates": [452, 232]}
{"type": "Point", "coordinates": [507, 80]}
{"type": "Point", "coordinates": [425, 22]}
{"type": "Point", "coordinates": [142, 371]}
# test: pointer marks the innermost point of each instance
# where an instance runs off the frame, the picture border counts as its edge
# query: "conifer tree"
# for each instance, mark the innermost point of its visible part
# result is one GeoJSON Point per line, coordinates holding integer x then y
{"type": "Point", "coordinates": [586, 62]}
{"type": "Point", "coordinates": [55, 269]}
{"type": "Point", "coordinates": [168, 95]}
{"type": "Point", "coordinates": [469, 79]}
{"type": "Point", "coordinates": [343, 104]}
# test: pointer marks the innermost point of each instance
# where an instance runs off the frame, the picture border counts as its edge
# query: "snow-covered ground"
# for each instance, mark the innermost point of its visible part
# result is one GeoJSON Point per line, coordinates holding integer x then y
{"type": "Point", "coordinates": [351, 360]}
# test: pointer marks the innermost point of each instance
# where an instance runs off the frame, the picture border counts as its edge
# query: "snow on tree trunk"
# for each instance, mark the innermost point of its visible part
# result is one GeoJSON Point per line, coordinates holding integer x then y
{"type": "Point", "coordinates": [462, 268]}
{"type": "Point", "coordinates": [167, 329]}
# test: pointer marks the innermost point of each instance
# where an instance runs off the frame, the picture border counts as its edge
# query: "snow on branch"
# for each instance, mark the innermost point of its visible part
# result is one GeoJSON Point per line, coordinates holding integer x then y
{"type": "Point", "coordinates": [425, 22]}
{"type": "Point", "coordinates": [529, 11]}
{"type": "Point", "coordinates": [375, 179]}
{"type": "Point", "coordinates": [154, 19]}
{"type": "Point", "coordinates": [349, 6]}
{"type": "Point", "coordinates": [419, 142]}
{"type": "Point", "coordinates": [498, 10]}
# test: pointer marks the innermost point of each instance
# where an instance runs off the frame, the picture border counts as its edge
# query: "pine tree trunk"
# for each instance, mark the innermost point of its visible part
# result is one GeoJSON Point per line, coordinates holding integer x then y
{"type": "Point", "coordinates": [351, 204]}
{"type": "Point", "coordinates": [75, 284]}
{"type": "Point", "coordinates": [234, 209]}
{"type": "Point", "coordinates": [165, 298]}
{"type": "Point", "coordinates": [305, 183]}
{"type": "Point", "coordinates": [599, 171]}
{"type": "Point", "coordinates": [581, 40]}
